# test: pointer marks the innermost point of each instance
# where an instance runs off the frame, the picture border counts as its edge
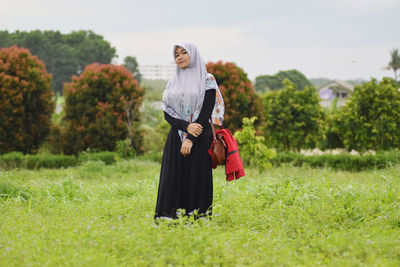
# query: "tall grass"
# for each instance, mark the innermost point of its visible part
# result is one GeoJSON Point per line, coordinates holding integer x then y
{"type": "Point", "coordinates": [102, 215]}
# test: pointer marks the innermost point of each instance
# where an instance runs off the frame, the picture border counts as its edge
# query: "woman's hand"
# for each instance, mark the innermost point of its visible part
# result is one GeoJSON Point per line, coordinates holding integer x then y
{"type": "Point", "coordinates": [186, 147]}
{"type": "Point", "coordinates": [195, 129]}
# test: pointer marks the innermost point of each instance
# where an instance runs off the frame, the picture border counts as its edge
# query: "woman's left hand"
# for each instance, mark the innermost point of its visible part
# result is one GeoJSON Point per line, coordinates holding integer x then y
{"type": "Point", "coordinates": [186, 147]}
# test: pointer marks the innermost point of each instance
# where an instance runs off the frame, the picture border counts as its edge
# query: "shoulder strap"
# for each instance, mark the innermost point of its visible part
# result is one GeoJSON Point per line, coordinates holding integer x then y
{"type": "Point", "coordinates": [212, 128]}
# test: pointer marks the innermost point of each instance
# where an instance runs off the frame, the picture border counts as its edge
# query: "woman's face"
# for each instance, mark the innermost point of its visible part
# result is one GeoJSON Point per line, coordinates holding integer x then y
{"type": "Point", "coordinates": [182, 58]}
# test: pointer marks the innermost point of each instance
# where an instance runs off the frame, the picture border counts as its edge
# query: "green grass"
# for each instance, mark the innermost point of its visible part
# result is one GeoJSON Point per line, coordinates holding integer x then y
{"type": "Point", "coordinates": [102, 215]}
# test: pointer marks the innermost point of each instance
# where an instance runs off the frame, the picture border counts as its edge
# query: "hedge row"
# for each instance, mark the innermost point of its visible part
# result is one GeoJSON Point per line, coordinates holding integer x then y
{"type": "Point", "coordinates": [345, 162]}
{"type": "Point", "coordinates": [19, 160]}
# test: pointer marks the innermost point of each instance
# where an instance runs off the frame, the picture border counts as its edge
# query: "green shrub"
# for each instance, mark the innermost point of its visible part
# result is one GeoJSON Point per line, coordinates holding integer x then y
{"type": "Point", "coordinates": [293, 118]}
{"type": "Point", "coordinates": [18, 160]}
{"type": "Point", "coordinates": [107, 157]}
{"type": "Point", "coordinates": [102, 107]}
{"type": "Point", "coordinates": [344, 161]}
{"type": "Point", "coordinates": [252, 149]}
{"type": "Point", "coordinates": [371, 117]}
{"type": "Point", "coordinates": [152, 156]}
{"type": "Point", "coordinates": [26, 101]}
{"type": "Point", "coordinates": [125, 150]}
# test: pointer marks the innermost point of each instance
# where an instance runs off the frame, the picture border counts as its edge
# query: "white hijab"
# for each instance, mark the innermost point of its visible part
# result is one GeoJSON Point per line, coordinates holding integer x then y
{"type": "Point", "coordinates": [184, 94]}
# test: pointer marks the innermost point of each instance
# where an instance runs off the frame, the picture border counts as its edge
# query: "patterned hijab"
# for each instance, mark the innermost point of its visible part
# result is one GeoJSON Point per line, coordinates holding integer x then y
{"type": "Point", "coordinates": [184, 94]}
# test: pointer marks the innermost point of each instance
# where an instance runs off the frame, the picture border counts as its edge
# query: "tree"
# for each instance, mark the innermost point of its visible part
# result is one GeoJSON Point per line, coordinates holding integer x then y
{"type": "Point", "coordinates": [64, 54]}
{"type": "Point", "coordinates": [26, 101]}
{"type": "Point", "coordinates": [266, 83]}
{"type": "Point", "coordinates": [239, 96]}
{"type": "Point", "coordinates": [371, 117]}
{"type": "Point", "coordinates": [101, 108]}
{"type": "Point", "coordinates": [131, 64]}
{"type": "Point", "coordinates": [293, 118]}
{"type": "Point", "coordinates": [394, 63]}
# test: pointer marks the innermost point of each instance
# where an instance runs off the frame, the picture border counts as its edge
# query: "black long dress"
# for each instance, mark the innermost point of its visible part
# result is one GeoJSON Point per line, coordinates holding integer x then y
{"type": "Point", "coordinates": [186, 182]}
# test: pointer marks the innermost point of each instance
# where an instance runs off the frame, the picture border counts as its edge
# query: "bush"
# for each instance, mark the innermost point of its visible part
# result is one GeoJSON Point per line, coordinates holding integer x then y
{"type": "Point", "coordinates": [344, 161]}
{"type": "Point", "coordinates": [125, 150]}
{"type": "Point", "coordinates": [371, 117]}
{"type": "Point", "coordinates": [107, 157]}
{"type": "Point", "coordinates": [293, 118]}
{"type": "Point", "coordinates": [26, 101]}
{"type": "Point", "coordinates": [239, 96]}
{"type": "Point", "coordinates": [333, 138]}
{"type": "Point", "coordinates": [102, 107]}
{"type": "Point", "coordinates": [18, 160]}
{"type": "Point", "coordinates": [252, 150]}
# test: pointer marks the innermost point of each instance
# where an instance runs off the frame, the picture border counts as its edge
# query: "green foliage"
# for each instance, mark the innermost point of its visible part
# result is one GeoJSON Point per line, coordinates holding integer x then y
{"type": "Point", "coordinates": [125, 150]}
{"type": "Point", "coordinates": [102, 107]}
{"type": "Point", "coordinates": [331, 128]}
{"type": "Point", "coordinates": [64, 54]}
{"type": "Point", "coordinates": [108, 157]}
{"type": "Point", "coordinates": [239, 96]}
{"type": "Point", "coordinates": [267, 83]}
{"type": "Point", "coordinates": [9, 190]}
{"type": "Point", "coordinates": [132, 65]}
{"type": "Point", "coordinates": [26, 101]}
{"type": "Point", "coordinates": [154, 89]}
{"type": "Point", "coordinates": [96, 215]}
{"type": "Point", "coordinates": [155, 127]}
{"type": "Point", "coordinates": [371, 117]}
{"type": "Point", "coordinates": [344, 161]}
{"type": "Point", "coordinates": [294, 117]}
{"type": "Point", "coordinates": [394, 63]}
{"type": "Point", "coordinates": [252, 149]}
{"type": "Point", "coordinates": [18, 160]}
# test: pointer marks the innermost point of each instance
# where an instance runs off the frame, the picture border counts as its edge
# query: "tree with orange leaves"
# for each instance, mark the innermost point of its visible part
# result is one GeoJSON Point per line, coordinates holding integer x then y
{"type": "Point", "coordinates": [26, 101]}
{"type": "Point", "coordinates": [102, 107]}
{"type": "Point", "coordinates": [239, 96]}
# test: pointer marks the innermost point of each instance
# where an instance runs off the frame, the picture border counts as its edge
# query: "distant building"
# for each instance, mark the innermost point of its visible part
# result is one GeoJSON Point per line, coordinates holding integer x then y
{"type": "Point", "coordinates": [155, 72]}
{"type": "Point", "coordinates": [336, 89]}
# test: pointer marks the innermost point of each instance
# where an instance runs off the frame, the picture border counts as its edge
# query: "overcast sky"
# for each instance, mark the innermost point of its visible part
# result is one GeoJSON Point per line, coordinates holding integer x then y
{"type": "Point", "coordinates": [337, 39]}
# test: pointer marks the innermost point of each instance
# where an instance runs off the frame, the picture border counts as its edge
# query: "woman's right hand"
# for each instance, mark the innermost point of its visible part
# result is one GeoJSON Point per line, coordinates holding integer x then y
{"type": "Point", "coordinates": [195, 129]}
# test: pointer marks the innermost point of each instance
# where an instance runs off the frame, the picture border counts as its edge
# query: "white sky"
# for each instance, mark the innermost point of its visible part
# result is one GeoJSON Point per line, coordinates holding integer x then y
{"type": "Point", "coordinates": [337, 39]}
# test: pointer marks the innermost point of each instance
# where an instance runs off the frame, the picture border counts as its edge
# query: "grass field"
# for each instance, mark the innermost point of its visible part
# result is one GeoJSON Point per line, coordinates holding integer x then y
{"type": "Point", "coordinates": [98, 215]}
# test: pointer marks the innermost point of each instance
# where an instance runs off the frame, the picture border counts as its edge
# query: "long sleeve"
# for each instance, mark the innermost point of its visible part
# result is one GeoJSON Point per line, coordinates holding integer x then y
{"type": "Point", "coordinates": [176, 123]}
{"type": "Point", "coordinates": [206, 110]}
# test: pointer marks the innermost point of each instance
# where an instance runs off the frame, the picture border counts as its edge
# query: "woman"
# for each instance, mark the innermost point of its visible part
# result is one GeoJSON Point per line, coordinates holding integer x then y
{"type": "Point", "coordinates": [189, 99]}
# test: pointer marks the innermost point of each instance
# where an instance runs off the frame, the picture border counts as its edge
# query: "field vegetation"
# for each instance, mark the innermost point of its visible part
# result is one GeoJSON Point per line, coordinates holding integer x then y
{"type": "Point", "coordinates": [97, 214]}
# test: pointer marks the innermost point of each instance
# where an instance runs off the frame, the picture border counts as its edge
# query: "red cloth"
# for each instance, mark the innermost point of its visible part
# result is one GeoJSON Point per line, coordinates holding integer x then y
{"type": "Point", "coordinates": [234, 166]}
